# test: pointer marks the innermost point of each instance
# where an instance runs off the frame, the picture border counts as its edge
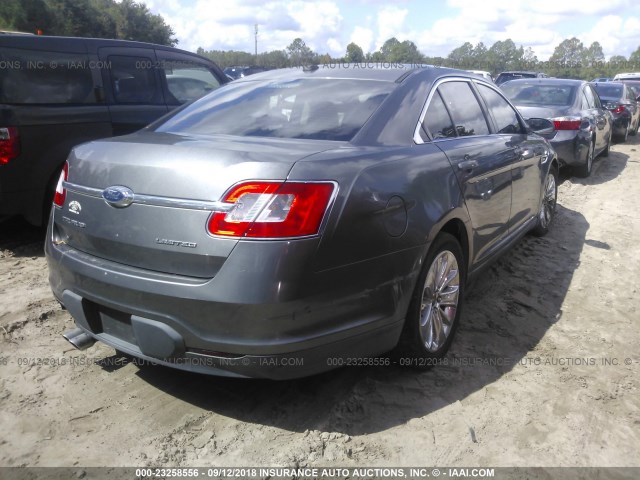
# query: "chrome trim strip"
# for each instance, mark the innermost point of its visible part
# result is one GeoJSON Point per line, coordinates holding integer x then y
{"type": "Point", "coordinates": [156, 201]}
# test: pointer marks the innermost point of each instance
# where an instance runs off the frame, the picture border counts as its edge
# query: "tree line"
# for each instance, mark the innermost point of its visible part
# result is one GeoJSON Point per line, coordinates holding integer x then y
{"type": "Point", "coordinates": [131, 20]}
{"type": "Point", "coordinates": [570, 59]}
{"type": "Point", "coordinates": [127, 19]}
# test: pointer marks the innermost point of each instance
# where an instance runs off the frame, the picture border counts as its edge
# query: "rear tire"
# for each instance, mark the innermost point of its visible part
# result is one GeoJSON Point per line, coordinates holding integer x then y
{"type": "Point", "coordinates": [625, 137]}
{"type": "Point", "coordinates": [548, 204]}
{"type": "Point", "coordinates": [434, 312]}
{"type": "Point", "coordinates": [605, 152]}
{"type": "Point", "coordinates": [585, 170]}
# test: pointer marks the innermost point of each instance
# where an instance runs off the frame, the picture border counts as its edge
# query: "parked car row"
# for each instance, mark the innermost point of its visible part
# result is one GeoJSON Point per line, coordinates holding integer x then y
{"type": "Point", "coordinates": [586, 117]}
{"type": "Point", "coordinates": [582, 127]}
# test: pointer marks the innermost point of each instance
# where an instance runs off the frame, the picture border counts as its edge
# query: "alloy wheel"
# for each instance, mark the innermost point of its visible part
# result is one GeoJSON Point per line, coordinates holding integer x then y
{"type": "Point", "coordinates": [548, 201]}
{"type": "Point", "coordinates": [439, 303]}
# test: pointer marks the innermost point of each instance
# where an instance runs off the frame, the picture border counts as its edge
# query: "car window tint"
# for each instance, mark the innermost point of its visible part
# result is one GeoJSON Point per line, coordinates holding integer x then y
{"type": "Point", "coordinates": [321, 109]}
{"type": "Point", "coordinates": [437, 121]}
{"type": "Point", "coordinates": [38, 77]}
{"type": "Point", "coordinates": [505, 116]}
{"type": "Point", "coordinates": [630, 95]}
{"type": "Point", "coordinates": [464, 108]}
{"type": "Point", "coordinates": [188, 81]}
{"type": "Point", "coordinates": [132, 79]}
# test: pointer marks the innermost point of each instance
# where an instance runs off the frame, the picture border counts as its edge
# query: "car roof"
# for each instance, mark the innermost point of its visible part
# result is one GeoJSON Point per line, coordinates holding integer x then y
{"type": "Point", "coordinates": [630, 76]}
{"type": "Point", "coordinates": [615, 82]}
{"type": "Point", "coordinates": [530, 72]}
{"type": "Point", "coordinates": [364, 71]}
{"type": "Point", "coordinates": [546, 81]}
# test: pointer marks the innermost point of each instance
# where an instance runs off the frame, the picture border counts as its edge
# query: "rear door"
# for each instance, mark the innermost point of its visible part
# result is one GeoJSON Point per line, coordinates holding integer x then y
{"type": "Point", "coordinates": [132, 87]}
{"type": "Point", "coordinates": [457, 124]}
{"type": "Point", "coordinates": [525, 157]}
{"type": "Point", "coordinates": [598, 116]}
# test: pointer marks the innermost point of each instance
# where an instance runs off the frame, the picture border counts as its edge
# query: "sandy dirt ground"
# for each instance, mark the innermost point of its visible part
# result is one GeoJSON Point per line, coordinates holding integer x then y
{"type": "Point", "coordinates": [544, 370]}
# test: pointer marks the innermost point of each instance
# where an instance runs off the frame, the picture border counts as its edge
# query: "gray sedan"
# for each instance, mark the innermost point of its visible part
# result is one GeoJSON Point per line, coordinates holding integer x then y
{"type": "Point", "coordinates": [582, 126]}
{"type": "Point", "coordinates": [297, 220]}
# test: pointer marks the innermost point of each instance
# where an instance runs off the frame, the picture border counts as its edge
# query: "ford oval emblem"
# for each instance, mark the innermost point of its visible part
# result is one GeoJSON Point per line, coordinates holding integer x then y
{"type": "Point", "coordinates": [118, 196]}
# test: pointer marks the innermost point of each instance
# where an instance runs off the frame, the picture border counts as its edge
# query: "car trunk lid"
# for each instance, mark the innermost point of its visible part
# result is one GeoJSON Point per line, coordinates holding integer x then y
{"type": "Point", "coordinates": [177, 181]}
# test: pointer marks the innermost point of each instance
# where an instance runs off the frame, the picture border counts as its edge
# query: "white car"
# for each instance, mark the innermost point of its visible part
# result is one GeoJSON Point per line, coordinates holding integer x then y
{"type": "Point", "coordinates": [627, 76]}
{"type": "Point", "coordinates": [482, 73]}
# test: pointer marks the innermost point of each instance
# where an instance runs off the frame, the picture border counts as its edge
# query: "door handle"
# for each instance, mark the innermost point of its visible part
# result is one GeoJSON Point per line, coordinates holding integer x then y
{"type": "Point", "coordinates": [467, 165]}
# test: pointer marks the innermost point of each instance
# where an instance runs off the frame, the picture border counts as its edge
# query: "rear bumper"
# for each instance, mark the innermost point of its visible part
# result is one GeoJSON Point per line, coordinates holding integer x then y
{"type": "Point", "coordinates": [620, 125]}
{"type": "Point", "coordinates": [303, 324]}
{"type": "Point", "coordinates": [571, 146]}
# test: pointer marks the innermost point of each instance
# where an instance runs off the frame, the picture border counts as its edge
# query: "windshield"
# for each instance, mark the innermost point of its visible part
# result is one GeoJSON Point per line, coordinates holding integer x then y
{"type": "Point", "coordinates": [527, 94]}
{"type": "Point", "coordinates": [322, 109]}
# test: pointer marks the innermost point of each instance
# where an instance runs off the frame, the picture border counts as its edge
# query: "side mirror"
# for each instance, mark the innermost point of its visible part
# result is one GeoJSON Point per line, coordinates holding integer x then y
{"type": "Point", "coordinates": [541, 126]}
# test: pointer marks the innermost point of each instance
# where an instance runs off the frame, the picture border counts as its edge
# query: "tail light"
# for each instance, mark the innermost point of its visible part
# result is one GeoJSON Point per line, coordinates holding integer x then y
{"type": "Point", "coordinates": [273, 210]}
{"type": "Point", "coordinates": [567, 123]}
{"type": "Point", "coordinates": [9, 144]}
{"type": "Point", "coordinates": [61, 192]}
{"type": "Point", "coordinates": [617, 109]}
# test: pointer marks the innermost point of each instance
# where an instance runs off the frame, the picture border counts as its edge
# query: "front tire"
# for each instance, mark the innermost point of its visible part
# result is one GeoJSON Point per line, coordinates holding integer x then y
{"type": "Point", "coordinates": [434, 312]}
{"type": "Point", "coordinates": [548, 205]}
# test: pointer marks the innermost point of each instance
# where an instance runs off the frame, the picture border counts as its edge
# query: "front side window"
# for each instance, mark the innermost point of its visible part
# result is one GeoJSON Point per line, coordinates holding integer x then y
{"type": "Point", "coordinates": [132, 79]}
{"type": "Point", "coordinates": [321, 109]}
{"type": "Point", "coordinates": [464, 108]}
{"type": "Point", "coordinates": [187, 81]}
{"type": "Point", "coordinates": [506, 118]}
{"type": "Point", "coordinates": [38, 77]}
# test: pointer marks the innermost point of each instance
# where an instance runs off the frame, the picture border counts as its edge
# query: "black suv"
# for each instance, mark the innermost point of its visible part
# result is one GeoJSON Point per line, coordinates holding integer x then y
{"type": "Point", "coordinates": [516, 74]}
{"type": "Point", "coordinates": [57, 92]}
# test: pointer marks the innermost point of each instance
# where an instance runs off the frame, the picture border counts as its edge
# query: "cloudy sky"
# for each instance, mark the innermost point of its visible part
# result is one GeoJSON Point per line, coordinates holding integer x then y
{"type": "Point", "coordinates": [437, 27]}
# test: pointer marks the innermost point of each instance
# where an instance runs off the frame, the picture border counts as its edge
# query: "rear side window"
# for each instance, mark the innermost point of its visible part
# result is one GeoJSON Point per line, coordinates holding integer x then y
{"type": "Point", "coordinates": [437, 121]}
{"type": "Point", "coordinates": [187, 81]}
{"type": "Point", "coordinates": [38, 77]}
{"type": "Point", "coordinates": [133, 79]}
{"type": "Point", "coordinates": [464, 108]}
{"type": "Point", "coordinates": [505, 116]}
{"type": "Point", "coordinates": [591, 101]}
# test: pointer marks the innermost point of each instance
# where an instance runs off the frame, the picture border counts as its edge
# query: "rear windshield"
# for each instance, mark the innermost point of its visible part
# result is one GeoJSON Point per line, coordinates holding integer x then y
{"type": "Point", "coordinates": [527, 94]}
{"type": "Point", "coordinates": [38, 77]}
{"type": "Point", "coordinates": [322, 109]}
{"type": "Point", "coordinates": [609, 91]}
